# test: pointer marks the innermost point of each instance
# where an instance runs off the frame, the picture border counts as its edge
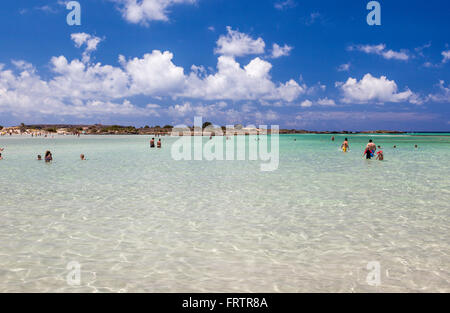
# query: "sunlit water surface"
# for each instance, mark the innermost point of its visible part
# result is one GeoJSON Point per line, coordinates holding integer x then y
{"type": "Point", "coordinates": [138, 221]}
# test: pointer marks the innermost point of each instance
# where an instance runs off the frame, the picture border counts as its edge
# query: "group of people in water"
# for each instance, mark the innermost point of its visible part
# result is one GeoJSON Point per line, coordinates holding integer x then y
{"type": "Point", "coordinates": [49, 157]}
{"type": "Point", "coordinates": [369, 151]}
{"type": "Point", "coordinates": [152, 143]}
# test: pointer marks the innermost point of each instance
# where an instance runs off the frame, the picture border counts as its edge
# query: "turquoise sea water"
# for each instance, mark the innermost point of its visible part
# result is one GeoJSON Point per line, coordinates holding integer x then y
{"type": "Point", "coordinates": [138, 221]}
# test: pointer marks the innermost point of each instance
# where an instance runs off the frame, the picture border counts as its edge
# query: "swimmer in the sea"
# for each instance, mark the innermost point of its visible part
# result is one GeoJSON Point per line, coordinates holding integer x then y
{"type": "Point", "coordinates": [158, 144]}
{"type": "Point", "coordinates": [1, 158]}
{"type": "Point", "coordinates": [367, 153]}
{"type": "Point", "coordinates": [48, 156]}
{"type": "Point", "coordinates": [345, 147]}
{"type": "Point", "coordinates": [82, 157]}
{"type": "Point", "coordinates": [39, 158]}
{"type": "Point", "coordinates": [152, 143]}
{"type": "Point", "coordinates": [371, 145]}
{"type": "Point", "coordinates": [380, 155]}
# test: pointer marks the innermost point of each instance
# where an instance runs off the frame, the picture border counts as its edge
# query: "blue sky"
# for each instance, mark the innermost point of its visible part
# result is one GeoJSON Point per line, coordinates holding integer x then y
{"type": "Point", "coordinates": [300, 64]}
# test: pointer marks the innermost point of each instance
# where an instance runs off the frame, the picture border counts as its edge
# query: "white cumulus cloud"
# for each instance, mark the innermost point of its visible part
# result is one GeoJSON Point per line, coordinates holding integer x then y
{"type": "Point", "coordinates": [91, 42]}
{"type": "Point", "coordinates": [374, 90]}
{"type": "Point", "coordinates": [235, 43]}
{"type": "Point", "coordinates": [233, 82]}
{"type": "Point", "coordinates": [144, 11]}
{"type": "Point", "coordinates": [278, 51]}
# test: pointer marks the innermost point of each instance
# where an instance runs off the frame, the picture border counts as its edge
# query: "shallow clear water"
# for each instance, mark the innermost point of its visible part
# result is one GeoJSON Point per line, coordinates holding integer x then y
{"type": "Point", "coordinates": [138, 221]}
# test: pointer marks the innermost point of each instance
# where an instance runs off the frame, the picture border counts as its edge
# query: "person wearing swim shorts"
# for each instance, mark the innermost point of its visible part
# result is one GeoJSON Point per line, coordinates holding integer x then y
{"type": "Point", "coordinates": [368, 153]}
{"type": "Point", "coordinates": [371, 145]}
{"type": "Point", "coordinates": [158, 144]}
{"type": "Point", "coordinates": [152, 143]}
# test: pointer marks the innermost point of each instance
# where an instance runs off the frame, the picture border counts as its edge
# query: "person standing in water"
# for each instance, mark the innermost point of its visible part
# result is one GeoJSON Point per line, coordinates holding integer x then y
{"type": "Point", "coordinates": [82, 157]}
{"type": "Point", "coordinates": [152, 143]}
{"type": "Point", "coordinates": [48, 157]}
{"type": "Point", "coordinates": [1, 158]}
{"type": "Point", "coordinates": [159, 143]}
{"type": "Point", "coordinates": [332, 138]}
{"type": "Point", "coordinates": [345, 147]}
{"type": "Point", "coordinates": [367, 153]}
{"type": "Point", "coordinates": [380, 155]}
{"type": "Point", "coordinates": [372, 146]}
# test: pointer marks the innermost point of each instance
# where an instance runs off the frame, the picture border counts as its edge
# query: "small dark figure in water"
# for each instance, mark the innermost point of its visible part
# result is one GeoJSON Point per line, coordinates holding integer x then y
{"type": "Point", "coordinates": [158, 144]}
{"type": "Point", "coordinates": [82, 157]}
{"type": "Point", "coordinates": [332, 138]}
{"type": "Point", "coordinates": [415, 146]}
{"type": "Point", "coordinates": [152, 143]}
{"type": "Point", "coordinates": [1, 158]}
{"type": "Point", "coordinates": [39, 158]}
{"type": "Point", "coordinates": [395, 147]}
{"type": "Point", "coordinates": [368, 153]}
{"type": "Point", "coordinates": [48, 156]}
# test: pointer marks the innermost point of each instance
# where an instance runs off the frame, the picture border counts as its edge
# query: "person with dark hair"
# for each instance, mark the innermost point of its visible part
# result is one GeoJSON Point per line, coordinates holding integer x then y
{"type": "Point", "coordinates": [152, 143]}
{"type": "Point", "coordinates": [380, 155]}
{"type": "Point", "coordinates": [39, 158]}
{"type": "Point", "coordinates": [367, 153]}
{"type": "Point", "coordinates": [158, 144]}
{"type": "Point", "coordinates": [48, 156]}
{"type": "Point", "coordinates": [372, 146]}
{"type": "Point", "coordinates": [345, 147]}
{"type": "Point", "coordinates": [1, 158]}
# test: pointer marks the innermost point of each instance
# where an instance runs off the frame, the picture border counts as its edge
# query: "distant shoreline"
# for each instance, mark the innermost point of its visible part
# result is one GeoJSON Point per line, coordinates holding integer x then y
{"type": "Point", "coordinates": [98, 129]}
